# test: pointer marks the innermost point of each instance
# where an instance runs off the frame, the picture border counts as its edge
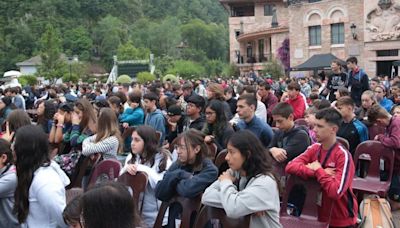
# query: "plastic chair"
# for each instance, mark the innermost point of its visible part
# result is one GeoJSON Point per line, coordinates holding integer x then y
{"type": "Point", "coordinates": [344, 142]}
{"type": "Point", "coordinates": [212, 151]}
{"type": "Point", "coordinates": [375, 130]}
{"type": "Point", "coordinates": [70, 194]}
{"type": "Point", "coordinates": [220, 161]}
{"type": "Point", "coordinates": [373, 151]}
{"type": "Point", "coordinates": [309, 214]}
{"type": "Point", "coordinates": [138, 184]}
{"type": "Point", "coordinates": [107, 168]}
{"type": "Point", "coordinates": [208, 213]}
{"type": "Point", "coordinates": [301, 122]}
{"type": "Point", "coordinates": [190, 206]}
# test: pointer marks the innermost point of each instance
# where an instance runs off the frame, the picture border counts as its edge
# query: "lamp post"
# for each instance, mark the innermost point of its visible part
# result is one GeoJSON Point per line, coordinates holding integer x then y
{"type": "Point", "coordinates": [353, 28]}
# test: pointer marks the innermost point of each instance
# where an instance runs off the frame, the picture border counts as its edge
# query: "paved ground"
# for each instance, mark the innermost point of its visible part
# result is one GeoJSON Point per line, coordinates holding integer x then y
{"type": "Point", "coordinates": [396, 217]}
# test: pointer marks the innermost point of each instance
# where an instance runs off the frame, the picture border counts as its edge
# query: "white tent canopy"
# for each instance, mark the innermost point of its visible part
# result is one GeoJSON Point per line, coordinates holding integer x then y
{"type": "Point", "coordinates": [11, 74]}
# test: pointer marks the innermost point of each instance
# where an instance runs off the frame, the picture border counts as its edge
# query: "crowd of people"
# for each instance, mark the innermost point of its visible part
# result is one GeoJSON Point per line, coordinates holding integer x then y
{"type": "Point", "coordinates": [268, 129]}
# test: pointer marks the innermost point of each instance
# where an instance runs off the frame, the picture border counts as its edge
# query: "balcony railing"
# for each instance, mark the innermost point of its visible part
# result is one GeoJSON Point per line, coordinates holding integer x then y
{"type": "Point", "coordinates": [243, 59]}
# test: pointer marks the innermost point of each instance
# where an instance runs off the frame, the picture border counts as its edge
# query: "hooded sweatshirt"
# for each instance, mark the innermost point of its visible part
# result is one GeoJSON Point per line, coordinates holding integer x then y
{"type": "Point", "coordinates": [156, 120]}
{"type": "Point", "coordinates": [47, 197]}
{"type": "Point", "coordinates": [8, 183]}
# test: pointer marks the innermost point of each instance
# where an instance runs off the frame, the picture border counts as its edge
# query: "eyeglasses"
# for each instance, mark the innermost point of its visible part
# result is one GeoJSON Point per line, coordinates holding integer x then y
{"type": "Point", "coordinates": [180, 147]}
{"type": "Point", "coordinates": [210, 113]}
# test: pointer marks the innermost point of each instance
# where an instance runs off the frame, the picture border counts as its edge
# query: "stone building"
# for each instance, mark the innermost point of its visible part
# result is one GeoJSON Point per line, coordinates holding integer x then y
{"type": "Point", "coordinates": [367, 29]}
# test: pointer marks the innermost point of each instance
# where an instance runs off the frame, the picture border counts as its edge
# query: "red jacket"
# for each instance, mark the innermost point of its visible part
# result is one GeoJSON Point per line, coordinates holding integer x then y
{"type": "Point", "coordinates": [299, 106]}
{"type": "Point", "coordinates": [391, 139]}
{"type": "Point", "coordinates": [338, 200]}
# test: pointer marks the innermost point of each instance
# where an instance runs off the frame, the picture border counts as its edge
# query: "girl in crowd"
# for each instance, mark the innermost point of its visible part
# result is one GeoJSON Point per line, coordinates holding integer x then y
{"type": "Point", "coordinates": [107, 140]}
{"type": "Point", "coordinates": [40, 193]}
{"type": "Point", "coordinates": [8, 183]}
{"type": "Point", "coordinates": [216, 92]}
{"type": "Point", "coordinates": [116, 105]}
{"type": "Point", "coordinates": [340, 92]}
{"type": "Point", "coordinates": [72, 212]}
{"type": "Point", "coordinates": [217, 129]}
{"type": "Point", "coordinates": [367, 101]}
{"type": "Point", "coordinates": [249, 187]}
{"type": "Point", "coordinates": [45, 114]}
{"type": "Point", "coordinates": [134, 115]}
{"type": "Point", "coordinates": [395, 111]}
{"type": "Point", "coordinates": [17, 118]}
{"type": "Point", "coordinates": [192, 172]}
{"type": "Point", "coordinates": [147, 157]}
{"type": "Point", "coordinates": [109, 205]}
{"type": "Point", "coordinates": [6, 106]}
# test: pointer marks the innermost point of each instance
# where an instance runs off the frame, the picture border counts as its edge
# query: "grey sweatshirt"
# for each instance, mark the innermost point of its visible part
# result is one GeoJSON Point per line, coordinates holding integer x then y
{"type": "Point", "coordinates": [259, 194]}
{"type": "Point", "coordinates": [8, 183]}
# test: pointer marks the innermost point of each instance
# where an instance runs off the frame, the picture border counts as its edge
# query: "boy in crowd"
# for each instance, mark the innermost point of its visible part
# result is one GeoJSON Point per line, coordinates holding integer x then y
{"type": "Point", "coordinates": [358, 80]}
{"type": "Point", "coordinates": [377, 114]}
{"type": "Point", "coordinates": [295, 99]}
{"type": "Point", "coordinates": [154, 117]}
{"type": "Point", "coordinates": [289, 141]}
{"type": "Point", "coordinates": [246, 106]}
{"type": "Point", "coordinates": [333, 167]}
{"type": "Point", "coordinates": [351, 128]}
{"type": "Point", "coordinates": [194, 109]}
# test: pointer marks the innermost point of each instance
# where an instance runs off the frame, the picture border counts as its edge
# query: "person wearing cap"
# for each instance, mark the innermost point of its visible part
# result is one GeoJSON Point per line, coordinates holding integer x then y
{"type": "Point", "coordinates": [194, 119]}
{"type": "Point", "coordinates": [175, 122]}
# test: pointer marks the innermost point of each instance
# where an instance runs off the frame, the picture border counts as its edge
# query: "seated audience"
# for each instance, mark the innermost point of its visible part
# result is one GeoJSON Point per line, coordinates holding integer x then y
{"type": "Point", "coordinates": [40, 193]}
{"type": "Point", "coordinates": [333, 167]}
{"type": "Point", "coordinates": [249, 187]}
{"type": "Point", "coordinates": [147, 157]}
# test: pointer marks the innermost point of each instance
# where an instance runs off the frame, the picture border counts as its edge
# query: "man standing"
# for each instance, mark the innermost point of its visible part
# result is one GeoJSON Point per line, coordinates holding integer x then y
{"type": "Point", "coordinates": [333, 167]}
{"type": "Point", "coordinates": [336, 79]}
{"type": "Point", "coordinates": [246, 107]}
{"type": "Point", "coordinates": [358, 80]}
{"type": "Point", "coordinates": [268, 98]}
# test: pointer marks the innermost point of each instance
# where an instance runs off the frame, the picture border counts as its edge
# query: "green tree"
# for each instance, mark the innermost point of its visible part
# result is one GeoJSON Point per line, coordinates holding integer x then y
{"type": "Point", "coordinates": [144, 77]}
{"type": "Point", "coordinates": [274, 69]}
{"type": "Point", "coordinates": [53, 67]}
{"type": "Point", "coordinates": [187, 69]}
{"type": "Point", "coordinates": [78, 42]}
{"type": "Point", "coordinates": [129, 52]}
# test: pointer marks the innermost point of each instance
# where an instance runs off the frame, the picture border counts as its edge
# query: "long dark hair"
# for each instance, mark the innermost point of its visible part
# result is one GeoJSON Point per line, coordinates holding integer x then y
{"type": "Point", "coordinates": [8, 104]}
{"type": "Point", "coordinates": [18, 118]}
{"type": "Point", "coordinates": [107, 126]}
{"type": "Point", "coordinates": [109, 205]}
{"type": "Point", "coordinates": [32, 151]}
{"type": "Point", "coordinates": [257, 159]}
{"type": "Point", "coordinates": [50, 108]}
{"type": "Point", "coordinates": [193, 138]}
{"type": "Point", "coordinates": [150, 148]}
{"type": "Point", "coordinates": [217, 128]}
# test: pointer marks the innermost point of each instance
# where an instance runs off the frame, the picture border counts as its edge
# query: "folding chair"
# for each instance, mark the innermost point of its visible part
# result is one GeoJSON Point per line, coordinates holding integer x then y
{"type": "Point", "coordinates": [105, 169]}
{"type": "Point", "coordinates": [137, 183]}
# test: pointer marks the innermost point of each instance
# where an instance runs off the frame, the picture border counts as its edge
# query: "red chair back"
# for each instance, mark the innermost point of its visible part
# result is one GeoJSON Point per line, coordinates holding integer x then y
{"type": "Point", "coordinates": [374, 151]}
{"type": "Point", "coordinates": [107, 168]}
{"type": "Point", "coordinates": [189, 206]}
{"type": "Point", "coordinates": [375, 130]}
{"type": "Point", "coordinates": [137, 183]}
{"type": "Point", "coordinates": [344, 142]}
{"type": "Point", "coordinates": [208, 213]}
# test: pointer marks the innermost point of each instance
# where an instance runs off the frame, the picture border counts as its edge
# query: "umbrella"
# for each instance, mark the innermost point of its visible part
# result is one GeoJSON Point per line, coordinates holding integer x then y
{"type": "Point", "coordinates": [12, 73]}
{"type": "Point", "coordinates": [316, 62]}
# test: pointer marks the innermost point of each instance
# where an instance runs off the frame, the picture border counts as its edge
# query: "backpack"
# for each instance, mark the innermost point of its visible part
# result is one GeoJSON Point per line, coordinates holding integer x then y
{"type": "Point", "coordinates": [375, 212]}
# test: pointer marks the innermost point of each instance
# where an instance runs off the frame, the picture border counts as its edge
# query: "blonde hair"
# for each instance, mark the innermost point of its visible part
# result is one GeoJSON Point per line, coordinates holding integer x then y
{"type": "Point", "coordinates": [107, 125]}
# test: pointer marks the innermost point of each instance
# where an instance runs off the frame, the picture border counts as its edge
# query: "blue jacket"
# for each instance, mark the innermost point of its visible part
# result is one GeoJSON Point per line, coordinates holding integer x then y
{"type": "Point", "coordinates": [387, 104]}
{"type": "Point", "coordinates": [133, 117]}
{"type": "Point", "coordinates": [156, 120]}
{"type": "Point", "coordinates": [261, 129]}
{"type": "Point", "coordinates": [182, 180]}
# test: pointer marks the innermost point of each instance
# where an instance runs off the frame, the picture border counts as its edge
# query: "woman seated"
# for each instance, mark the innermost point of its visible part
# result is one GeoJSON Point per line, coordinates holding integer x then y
{"type": "Point", "coordinates": [217, 128]}
{"type": "Point", "coordinates": [190, 175]}
{"type": "Point", "coordinates": [148, 158]}
{"type": "Point", "coordinates": [249, 187]}
{"type": "Point", "coordinates": [40, 193]}
{"type": "Point", "coordinates": [107, 141]}
{"type": "Point", "coordinates": [45, 114]}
